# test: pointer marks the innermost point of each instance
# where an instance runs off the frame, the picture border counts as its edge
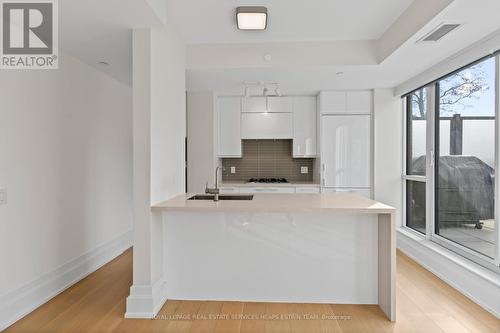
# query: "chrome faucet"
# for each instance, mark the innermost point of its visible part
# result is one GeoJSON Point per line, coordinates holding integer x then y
{"type": "Point", "coordinates": [215, 191]}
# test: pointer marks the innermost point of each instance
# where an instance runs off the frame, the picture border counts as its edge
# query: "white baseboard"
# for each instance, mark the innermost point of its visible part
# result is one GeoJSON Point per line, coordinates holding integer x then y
{"type": "Point", "coordinates": [20, 302]}
{"type": "Point", "coordinates": [474, 281]}
{"type": "Point", "coordinates": [145, 302]}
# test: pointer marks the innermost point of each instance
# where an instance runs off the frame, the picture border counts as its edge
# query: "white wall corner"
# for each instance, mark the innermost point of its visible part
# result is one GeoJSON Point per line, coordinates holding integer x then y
{"type": "Point", "coordinates": [145, 302]}
{"type": "Point", "coordinates": [477, 283]}
{"type": "Point", "coordinates": [20, 302]}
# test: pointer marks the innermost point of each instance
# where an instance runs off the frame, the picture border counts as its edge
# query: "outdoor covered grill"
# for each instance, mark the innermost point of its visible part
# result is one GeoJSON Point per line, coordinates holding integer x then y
{"type": "Point", "coordinates": [465, 193]}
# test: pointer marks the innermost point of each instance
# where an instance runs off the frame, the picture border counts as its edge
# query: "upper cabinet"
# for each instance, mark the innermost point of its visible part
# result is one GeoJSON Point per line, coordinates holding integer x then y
{"type": "Point", "coordinates": [266, 125]}
{"type": "Point", "coordinates": [253, 104]}
{"type": "Point", "coordinates": [359, 102]}
{"type": "Point", "coordinates": [271, 104]}
{"type": "Point", "coordinates": [304, 126]}
{"type": "Point", "coordinates": [229, 126]}
{"type": "Point", "coordinates": [342, 102]}
{"type": "Point", "coordinates": [332, 102]}
{"type": "Point", "coordinates": [279, 104]}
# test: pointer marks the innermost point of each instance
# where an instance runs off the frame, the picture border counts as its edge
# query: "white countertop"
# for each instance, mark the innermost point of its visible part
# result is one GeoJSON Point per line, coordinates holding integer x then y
{"type": "Point", "coordinates": [327, 202]}
{"type": "Point", "coordinates": [247, 184]}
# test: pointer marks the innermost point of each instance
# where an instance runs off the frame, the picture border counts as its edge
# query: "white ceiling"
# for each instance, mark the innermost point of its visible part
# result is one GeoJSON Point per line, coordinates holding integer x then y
{"type": "Point", "coordinates": [213, 21]}
{"type": "Point", "coordinates": [479, 19]}
{"type": "Point", "coordinates": [96, 30]}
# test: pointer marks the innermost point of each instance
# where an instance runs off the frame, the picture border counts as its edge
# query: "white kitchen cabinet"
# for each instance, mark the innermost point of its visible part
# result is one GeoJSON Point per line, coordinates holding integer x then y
{"type": "Point", "coordinates": [307, 190]}
{"type": "Point", "coordinates": [346, 102]}
{"type": "Point", "coordinates": [229, 190]}
{"type": "Point", "coordinates": [266, 125]}
{"type": "Point", "coordinates": [304, 126]}
{"type": "Point", "coordinates": [229, 127]}
{"type": "Point", "coordinates": [253, 104]}
{"type": "Point", "coordinates": [279, 104]}
{"type": "Point", "coordinates": [345, 150]}
{"type": "Point", "coordinates": [332, 102]}
{"type": "Point", "coordinates": [364, 192]}
{"type": "Point", "coordinates": [359, 102]}
{"type": "Point", "coordinates": [267, 189]}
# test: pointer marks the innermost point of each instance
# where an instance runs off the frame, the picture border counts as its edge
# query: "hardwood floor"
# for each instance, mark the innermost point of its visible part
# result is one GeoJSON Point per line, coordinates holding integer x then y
{"type": "Point", "coordinates": [97, 304]}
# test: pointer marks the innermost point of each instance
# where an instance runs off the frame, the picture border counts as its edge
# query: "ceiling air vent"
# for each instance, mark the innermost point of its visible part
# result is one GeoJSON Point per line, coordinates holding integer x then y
{"type": "Point", "coordinates": [439, 32]}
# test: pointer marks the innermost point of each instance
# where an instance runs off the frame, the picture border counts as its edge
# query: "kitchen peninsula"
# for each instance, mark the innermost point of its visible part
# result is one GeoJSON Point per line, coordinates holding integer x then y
{"type": "Point", "coordinates": [300, 248]}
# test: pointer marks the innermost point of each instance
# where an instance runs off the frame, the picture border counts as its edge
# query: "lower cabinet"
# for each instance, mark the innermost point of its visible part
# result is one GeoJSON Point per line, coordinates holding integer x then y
{"type": "Point", "coordinates": [229, 190]}
{"type": "Point", "coordinates": [364, 192]}
{"type": "Point", "coordinates": [311, 190]}
{"type": "Point", "coordinates": [267, 189]}
{"type": "Point", "coordinates": [255, 190]}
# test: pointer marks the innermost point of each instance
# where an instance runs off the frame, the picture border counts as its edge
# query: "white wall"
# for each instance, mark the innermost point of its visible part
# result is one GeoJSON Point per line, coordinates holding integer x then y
{"type": "Point", "coordinates": [66, 161]}
{"type": "Point", "coordinates": [168, 114]}
{"type": "Point", "coordinates": [388, 149]}
{"type": "Point", "coordinates": [201, 141]}
{"type": "Point", "coordinates": [159, 114]}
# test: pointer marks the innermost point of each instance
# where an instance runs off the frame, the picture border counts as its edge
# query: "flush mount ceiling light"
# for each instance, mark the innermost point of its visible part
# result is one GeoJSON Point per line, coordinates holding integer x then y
{"type": "Point", "coordinates": [251, 18]}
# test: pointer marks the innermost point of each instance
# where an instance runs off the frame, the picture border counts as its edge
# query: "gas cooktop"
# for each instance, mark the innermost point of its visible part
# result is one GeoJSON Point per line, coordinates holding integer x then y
{"type": "Point", "coordinates": [268, 180]}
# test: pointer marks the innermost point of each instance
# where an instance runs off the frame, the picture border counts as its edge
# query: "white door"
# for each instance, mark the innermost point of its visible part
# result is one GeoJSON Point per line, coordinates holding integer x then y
{"type": "Point", "coordinates": [345, 150]}
{"type": "Point", "coordinates": [304, 126]}
{"type": "Point", "coordinates": [229, 121]}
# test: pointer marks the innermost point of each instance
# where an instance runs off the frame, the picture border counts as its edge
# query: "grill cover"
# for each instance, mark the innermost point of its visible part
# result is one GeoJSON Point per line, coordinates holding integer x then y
{"type": "Point", "coordinates": [466, 188]}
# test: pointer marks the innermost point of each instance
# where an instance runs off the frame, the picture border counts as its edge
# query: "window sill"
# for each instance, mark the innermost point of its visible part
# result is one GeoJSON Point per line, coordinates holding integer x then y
{"type": "Point", "coordinates": [444, 253]}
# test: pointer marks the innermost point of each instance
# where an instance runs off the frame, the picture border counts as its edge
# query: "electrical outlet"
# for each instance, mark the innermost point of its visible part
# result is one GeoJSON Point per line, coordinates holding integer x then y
{"type": "Point", "coordinates": [304, 170]}
{"type": "Point", "coordinates": [233, 169]}
{"type": "Point", "coordinates": [3, 196]}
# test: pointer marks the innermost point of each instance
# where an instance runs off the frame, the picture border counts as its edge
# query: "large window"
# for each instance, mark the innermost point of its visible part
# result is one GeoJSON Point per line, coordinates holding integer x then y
{"type": "Point", "coordinates": [451, 155]}
{"type": "Point", "coordinates": [416, 147]}
{"type": "Point", "coordinates": [465, 174]}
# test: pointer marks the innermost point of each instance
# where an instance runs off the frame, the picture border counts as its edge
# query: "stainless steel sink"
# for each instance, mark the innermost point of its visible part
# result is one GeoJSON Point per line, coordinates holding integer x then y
{"type": "Point", "coordinates": [221, 197]}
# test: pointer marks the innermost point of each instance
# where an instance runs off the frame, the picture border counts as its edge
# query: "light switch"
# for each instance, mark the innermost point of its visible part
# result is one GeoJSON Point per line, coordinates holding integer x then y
{"type": "Point", "coordinates": [233, 169]}
{"type": "Point", "coordinates": [3, 196]}
{"type": "Point", "coordinates": [304, 170]}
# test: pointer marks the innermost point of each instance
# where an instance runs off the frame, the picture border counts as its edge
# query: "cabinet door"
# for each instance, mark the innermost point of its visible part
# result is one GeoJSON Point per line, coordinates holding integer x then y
{"type": "Point", "coordinates": [359, 102]}
{"type": "Point", "coordinates": [266, 126]}
{"type": "Point", "coordinates": [364, 192]}
{"type": "Point", "coordinates": [346, 150]}
{"type": "Point", "coordinates": [229, 121]}
{"type": "Point", "coordinates": [279, 104]}
{"type": "Point", "coordinates": [304, 126]}
{"type": "Point", "coordinates": [253, 104]}
{"type": "Point", "coordinates": [229, 190]}
{"type": "Point", "coordinates": [332, 102]}
{"type": "Point", "coordinates": [307, 190]}
{"type": "Point", "coordinates": [267, 189]}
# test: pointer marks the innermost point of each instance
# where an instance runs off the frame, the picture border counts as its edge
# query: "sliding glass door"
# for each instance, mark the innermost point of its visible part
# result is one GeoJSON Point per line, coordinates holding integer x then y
{"type": "Point", "coordinates": [452, 152]}
{"type": "Point", "coordinates": [465, 151]}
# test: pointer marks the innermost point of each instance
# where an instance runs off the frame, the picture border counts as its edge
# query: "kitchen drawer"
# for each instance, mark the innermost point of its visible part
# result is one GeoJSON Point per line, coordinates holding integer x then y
{"type": "Point", "coordinates": [229, 190]}
{"type": "Point", "coordinates": [364, 192]}
{"type": "Point", "coordinates": [303, 189]}
{"type": "Point", "coordinates": [267, 189]}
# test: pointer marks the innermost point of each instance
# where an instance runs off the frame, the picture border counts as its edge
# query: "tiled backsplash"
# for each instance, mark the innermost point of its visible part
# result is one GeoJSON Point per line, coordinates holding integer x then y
{"type": "Point", "coordinates": [267, 158]}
